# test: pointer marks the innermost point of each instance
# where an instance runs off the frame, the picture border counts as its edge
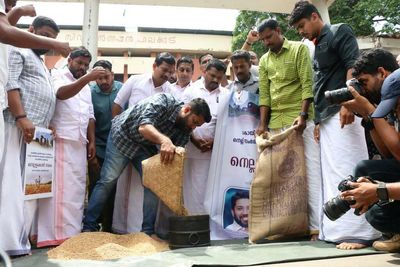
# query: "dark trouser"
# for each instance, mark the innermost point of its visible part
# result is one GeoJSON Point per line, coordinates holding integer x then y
{"type": "Point", "coordinates": [108, 211]}
{"type": "Point", "coordinates": [114, 164]}
{"type": "Point", "coordinates": [384, 218]}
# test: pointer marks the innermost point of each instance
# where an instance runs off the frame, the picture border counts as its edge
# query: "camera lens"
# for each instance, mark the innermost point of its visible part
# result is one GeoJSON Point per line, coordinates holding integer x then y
{"type": "Point", "coordinates": [335, 208]}
{"type": "Point", "coordinates": [338, 96]}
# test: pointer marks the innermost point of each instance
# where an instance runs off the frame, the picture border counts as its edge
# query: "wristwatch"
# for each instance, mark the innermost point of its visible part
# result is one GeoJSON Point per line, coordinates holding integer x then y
{"type": "Point", "coordinates": [368, 124]}
{"type": "Point", "coordinates": [382, 192]}
{"type": "Point", "coordinates": [304, 114]}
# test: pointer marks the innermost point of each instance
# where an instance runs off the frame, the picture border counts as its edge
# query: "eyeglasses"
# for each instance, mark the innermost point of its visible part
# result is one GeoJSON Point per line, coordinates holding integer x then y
{"type": "Point", "coordinates": [204, 61]}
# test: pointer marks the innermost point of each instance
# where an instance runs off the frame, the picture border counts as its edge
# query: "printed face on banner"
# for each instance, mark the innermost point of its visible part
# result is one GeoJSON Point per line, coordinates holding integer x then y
{"type": "Point", "coordinates": [236, 210]}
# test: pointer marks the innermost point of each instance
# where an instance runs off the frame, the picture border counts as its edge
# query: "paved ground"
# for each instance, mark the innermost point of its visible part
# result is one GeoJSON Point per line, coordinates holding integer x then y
{"type": "Point", "coordinates": [380, 260]}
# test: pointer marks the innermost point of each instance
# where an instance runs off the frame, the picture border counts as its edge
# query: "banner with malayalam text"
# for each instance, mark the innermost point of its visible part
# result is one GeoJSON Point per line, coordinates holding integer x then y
{"type": "Point", "coordinates": [232, 165]}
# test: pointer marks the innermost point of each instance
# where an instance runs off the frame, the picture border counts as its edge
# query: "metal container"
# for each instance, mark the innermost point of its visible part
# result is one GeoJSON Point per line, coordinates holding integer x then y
{"type": "Point", "coordinates": [189, 231]}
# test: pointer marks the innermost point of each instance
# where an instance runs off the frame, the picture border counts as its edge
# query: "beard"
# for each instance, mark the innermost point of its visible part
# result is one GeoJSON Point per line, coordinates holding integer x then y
{"type": "Point", "coordinates": [241, 222]}
{"type": "Point", "coordinates": [77, 73]}
{"type": "Point", "coordinates": [40, 52]}
{"type": "Point", "coordinates": [373, 96]}
{"type": "Point", "coordinates": [181, 123]}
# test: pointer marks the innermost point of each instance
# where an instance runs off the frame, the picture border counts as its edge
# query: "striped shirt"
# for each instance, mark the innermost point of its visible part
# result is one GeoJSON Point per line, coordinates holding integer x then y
{"type": "Point", "coordinates": [161, 111]}
{"type": "Point", "coordinates": [29, 75]}
{"type": "Point", "coordinates": [285, 81]}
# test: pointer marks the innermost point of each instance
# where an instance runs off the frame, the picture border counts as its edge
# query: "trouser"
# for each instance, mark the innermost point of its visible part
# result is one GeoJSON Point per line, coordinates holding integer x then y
{"type": "Point", "coordinates": [114, 163]}
{"type": "Point", "coordinates": [385, 218]}
{"type": "Point", "coordinates": [94, 176]}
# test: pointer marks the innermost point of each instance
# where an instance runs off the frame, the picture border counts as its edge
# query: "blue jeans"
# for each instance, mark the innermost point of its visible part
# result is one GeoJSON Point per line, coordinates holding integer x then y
{"type": "Point", "coordinates": [384, 218]}
{"type": "Point", "coordinates": [114, 164]}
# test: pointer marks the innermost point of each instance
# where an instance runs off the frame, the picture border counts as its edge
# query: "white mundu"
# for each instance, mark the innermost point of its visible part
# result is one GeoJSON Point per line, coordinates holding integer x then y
{"type": "Point", "coordinates": [197, 163]}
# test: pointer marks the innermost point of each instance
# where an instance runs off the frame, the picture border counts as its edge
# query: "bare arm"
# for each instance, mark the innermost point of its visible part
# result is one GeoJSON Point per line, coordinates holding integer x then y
{"type": "Point", "coordinates": [264, 119]}
{"type": "Point", "coordinates": [91, 149]}
{"type": "Point", "coordinates": [19, 38]}
{"type": "Point", "coordinates": [346, 116]}
{"type": "Point", "coordinates": [17, 12]}
{"type": "Point", "coordinates": [17, 109]}
{"type": "Point", "coordinates": [115, 110]}
{"type": "Point", "coordinates": [70, 90]}
{"type": "Point", "coordinates": [251, 38]}
{"type": "Point", "coordinates": [167, 150]}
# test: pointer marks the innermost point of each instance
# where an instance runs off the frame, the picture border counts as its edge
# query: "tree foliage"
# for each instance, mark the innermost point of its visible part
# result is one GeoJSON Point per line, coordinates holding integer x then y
{"type": "Point", "coordinates": [362, 15]}
{"type": "Point", "coordinates": [247, 20]}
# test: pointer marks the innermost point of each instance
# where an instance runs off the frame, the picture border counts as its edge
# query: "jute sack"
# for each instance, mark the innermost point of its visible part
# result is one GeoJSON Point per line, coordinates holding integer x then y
{"type": "Point", "coordinates": [278, 193]}
{"type": "Point", "coordinates": [166, 181]}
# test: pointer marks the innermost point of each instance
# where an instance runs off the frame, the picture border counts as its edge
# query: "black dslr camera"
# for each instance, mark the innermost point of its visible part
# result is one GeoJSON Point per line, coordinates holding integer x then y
{"type": "Point", "coordinates": [343, 94]}
{"type": "Point", "coordinates": [336, 207]}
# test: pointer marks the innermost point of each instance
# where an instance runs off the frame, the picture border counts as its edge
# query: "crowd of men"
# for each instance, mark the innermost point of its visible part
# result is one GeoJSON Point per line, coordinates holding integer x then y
{"type": "Point", "coordinates": [105, 125]}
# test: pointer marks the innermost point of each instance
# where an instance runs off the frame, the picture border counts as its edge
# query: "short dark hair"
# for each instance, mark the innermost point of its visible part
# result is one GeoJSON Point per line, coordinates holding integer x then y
{"type": "Point", "coordinates": [204, 55]}
{"type": "Point", "coordinates": [216, 63]}
{"type": "Point", "coordinates": [80, 52]}
{"type": "Point", "coordinates": [104, 64]}
{"type": "Point", "coordinates": [239, 195]}
{"type": "Point", "coordinates": [200, 107]}
{"type": "Point", "coordinates": [185, 60]}
{"type": "Point", "coordinates": [238, 54]}
{"type": "Point", "coordinates": [369, 61]}
{"type": "Point", "coordinates": [302, 10]}
{"type": "Point", "coordinates": [41, 21]}
{"type": "Point", "coordinates": [164, 57]}
{"type": "Point", "coordinates": [267, 24]}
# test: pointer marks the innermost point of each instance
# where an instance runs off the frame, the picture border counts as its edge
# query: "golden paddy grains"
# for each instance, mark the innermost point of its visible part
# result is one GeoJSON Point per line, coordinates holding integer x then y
{"type": "Point", "coordinates": [106, 246]}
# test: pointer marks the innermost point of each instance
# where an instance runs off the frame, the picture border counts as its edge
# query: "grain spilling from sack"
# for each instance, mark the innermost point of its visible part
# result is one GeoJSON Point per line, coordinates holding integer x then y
{"type": "Point", "coordinates": [106, 246]}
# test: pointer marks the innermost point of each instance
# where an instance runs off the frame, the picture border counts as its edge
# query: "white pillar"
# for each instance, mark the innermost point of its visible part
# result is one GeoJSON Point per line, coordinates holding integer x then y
{"type": "Point", "coordinates": [322, 7]}
{"type": "Point", "coordinates": [90, 27]}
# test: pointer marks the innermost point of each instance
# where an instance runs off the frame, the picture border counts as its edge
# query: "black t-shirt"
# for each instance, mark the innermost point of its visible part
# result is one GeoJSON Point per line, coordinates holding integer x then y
{"type": "Point", "coordinates": [335, 53]}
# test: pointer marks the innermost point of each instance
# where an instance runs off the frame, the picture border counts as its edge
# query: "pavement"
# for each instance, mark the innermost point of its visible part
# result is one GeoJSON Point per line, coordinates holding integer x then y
{"type": "Point", "coordinates": [378, 260]}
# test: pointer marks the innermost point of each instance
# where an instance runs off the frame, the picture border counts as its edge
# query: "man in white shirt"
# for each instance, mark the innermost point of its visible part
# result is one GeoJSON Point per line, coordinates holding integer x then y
{"type": "Point", "coordinates": [139, 87]}
{"type": "Point", "coordinates": [199, 148]}
{"type": "Point", "coordinates": [13, 36]}
{"type": "Point", "coordinates": [74, 123]}
{"type": "Point", "coordinates": [31, 100]}
{"type": "Point", "coordinates": [184, 73]}
{"type": "Point", "coordinates": [240, 212]}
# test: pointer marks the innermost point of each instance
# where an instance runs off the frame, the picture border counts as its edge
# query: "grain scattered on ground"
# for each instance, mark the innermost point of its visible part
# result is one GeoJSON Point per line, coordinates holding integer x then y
{"type": "Point", "coordinates": [106, 246]}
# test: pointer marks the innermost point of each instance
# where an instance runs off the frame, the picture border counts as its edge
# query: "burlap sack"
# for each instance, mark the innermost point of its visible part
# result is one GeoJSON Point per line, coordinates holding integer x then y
{"type": "Point", "coordinates": [278, 193]}
{"type": "Point", "coordinates": [166, 181]}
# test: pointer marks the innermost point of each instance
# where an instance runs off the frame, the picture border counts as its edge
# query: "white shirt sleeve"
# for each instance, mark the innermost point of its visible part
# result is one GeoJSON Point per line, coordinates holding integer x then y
{"type": "Point", "coordinates": [2, 7]}
{"type": "Point", "coordinates": [125, 92]}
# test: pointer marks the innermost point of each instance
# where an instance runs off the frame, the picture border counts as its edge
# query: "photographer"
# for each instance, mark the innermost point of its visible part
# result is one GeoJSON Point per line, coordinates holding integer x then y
{"type": "Point", "coordinates": [376, 72]}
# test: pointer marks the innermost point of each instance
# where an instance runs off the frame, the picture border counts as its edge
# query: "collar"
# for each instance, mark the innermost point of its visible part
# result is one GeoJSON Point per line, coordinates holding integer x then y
{"type": "Point", "coordinates": [325, 30]}
{"type": "Point", "coordinates": [175, 114]}
{"type": "Point", "coordinates": [97, 89]}
{"type": "Point", "coordinates": [203, 87]}
{"type": "Point", "coordinates": [251, 80]}
{"type": "Point", "coordinates": [285, 46]}
{"type": "Point", "coordinates": [150, 77]}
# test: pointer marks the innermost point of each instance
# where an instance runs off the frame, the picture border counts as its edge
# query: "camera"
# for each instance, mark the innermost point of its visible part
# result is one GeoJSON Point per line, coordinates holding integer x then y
{"type": "Point", "coordinates": [336, 207]}
{"type": "Point", "coordinates": [343, 94]}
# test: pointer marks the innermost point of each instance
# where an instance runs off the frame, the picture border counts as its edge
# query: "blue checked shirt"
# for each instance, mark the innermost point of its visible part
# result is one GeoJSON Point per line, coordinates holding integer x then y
{"type": "Point", "coordinates": [28, 73]}
{"type": "Point", "coordinates": [161, 111]}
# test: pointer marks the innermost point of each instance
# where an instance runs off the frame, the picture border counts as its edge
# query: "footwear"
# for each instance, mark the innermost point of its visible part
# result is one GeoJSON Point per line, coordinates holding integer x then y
{"type": "Point", "coordinates": [391, 245]}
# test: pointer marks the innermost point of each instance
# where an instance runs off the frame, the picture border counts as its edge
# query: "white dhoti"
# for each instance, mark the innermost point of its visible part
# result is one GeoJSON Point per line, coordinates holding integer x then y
{"type": "Point", "coordinates": [60, 217]}
{"type": "Point", "coordinates": [195, 184]}
{"type": "Point", "coordinates": [14, 231]}
{"type": "Point", "coordinates": [128, 205]}
{"type": "Point", "coordinates": [314, 176]}
{"type": "Point", "coordinates": [341, 150]}
{"type": "Point", "coordinates": [1, 134]}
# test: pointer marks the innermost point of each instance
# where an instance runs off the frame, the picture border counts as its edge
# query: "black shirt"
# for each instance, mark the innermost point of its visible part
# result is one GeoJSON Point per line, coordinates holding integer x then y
{"type": "Point", "coordinates": [334, 55]}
